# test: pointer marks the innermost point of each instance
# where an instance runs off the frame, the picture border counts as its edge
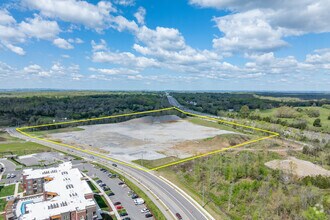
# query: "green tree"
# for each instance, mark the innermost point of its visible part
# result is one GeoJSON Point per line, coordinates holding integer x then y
{"type": "Point", "coordinates": [317, 123]}
{"type": "Point", "coordinates": [245, 111]}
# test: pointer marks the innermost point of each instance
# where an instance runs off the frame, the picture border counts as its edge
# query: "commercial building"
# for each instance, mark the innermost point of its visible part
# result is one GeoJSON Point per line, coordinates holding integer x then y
{"type": "Point", "coordinates": [55, 193]}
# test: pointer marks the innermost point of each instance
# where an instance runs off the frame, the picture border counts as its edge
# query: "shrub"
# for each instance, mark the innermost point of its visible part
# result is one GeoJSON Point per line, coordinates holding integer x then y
{"type": "Point", "coordinates": [286, 112]}
{"type": "Point", "coordinates": [299, 123]}
{"type": "Point", "coordinates": [317, 123]}
{"type": "Point", "coordinates": [312, 113]}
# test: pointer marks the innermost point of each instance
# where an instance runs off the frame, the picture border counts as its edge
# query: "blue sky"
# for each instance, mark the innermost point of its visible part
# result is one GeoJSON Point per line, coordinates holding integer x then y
{"type": "Point", "coordinates": [165, 44]}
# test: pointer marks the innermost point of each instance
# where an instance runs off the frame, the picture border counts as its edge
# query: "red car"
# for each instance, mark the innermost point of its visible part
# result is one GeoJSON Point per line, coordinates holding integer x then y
{"type": "Point", "coordinates": [118, 207]}
{"type": "Point", "coordinates": [178, 216]}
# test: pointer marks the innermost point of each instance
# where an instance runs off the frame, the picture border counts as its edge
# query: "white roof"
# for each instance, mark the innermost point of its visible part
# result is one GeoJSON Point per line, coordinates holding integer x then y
{"type": "Point", "coordinates": [68, 186]}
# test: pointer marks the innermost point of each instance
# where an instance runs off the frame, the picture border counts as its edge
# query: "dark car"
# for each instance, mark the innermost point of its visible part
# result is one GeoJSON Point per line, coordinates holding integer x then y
{"type": "Point", "coordinates": [111, 194]}
{"type": "Point", "coordinates": [117, 203]}
{"type": "Point", "coordinates": [98, 181]}
{"type": "Point", "coordinates": [102, 169]}
{"type": "Point", "coordinates": [134, 196]}
{"type": "Point", "coordinates": [121, 183]}
{"type": "Point", "coordinates": [178, 216]}
{"type": "Point", "coordinates": [115, 165]}
{"type": "Point", "coordinates": [127, 218]}
{"type": "Point", "coordinates": [123, 213]}
{"type": "Point", "coordinates": [105, 188]}
{"type": "Point", "coordinates": [148, 215]}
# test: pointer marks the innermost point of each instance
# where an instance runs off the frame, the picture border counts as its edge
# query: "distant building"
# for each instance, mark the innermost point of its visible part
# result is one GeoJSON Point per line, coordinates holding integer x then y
{"type": "Point", "coordinates": [59, 193]}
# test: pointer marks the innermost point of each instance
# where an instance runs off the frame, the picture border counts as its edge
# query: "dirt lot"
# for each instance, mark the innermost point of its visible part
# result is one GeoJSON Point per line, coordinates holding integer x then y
{"type": "Point", "coordinates": [300, 168]}
{"type": "Point", "coordinates": [142, 138]}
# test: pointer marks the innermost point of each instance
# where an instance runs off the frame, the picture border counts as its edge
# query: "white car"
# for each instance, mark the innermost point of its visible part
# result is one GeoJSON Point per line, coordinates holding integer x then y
{"type": "Point", "coordinates": [138, 201]}
{"type": "Point", "coordinates": [144, 210]}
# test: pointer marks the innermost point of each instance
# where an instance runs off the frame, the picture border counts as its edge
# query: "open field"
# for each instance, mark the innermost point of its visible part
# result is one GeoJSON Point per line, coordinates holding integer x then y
{"type": "Point", "coordinates": [22, 148]}
{"type": "Point", "coordinates": [143, 138]}
{"type": "Point", "coordinates": [324, 114]}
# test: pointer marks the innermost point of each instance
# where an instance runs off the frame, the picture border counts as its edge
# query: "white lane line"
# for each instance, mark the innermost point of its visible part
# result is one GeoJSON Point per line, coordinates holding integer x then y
{"type": "Point", "coordinates": [190, 200]}
{"type": "Point", "coordinates": [170, 195]}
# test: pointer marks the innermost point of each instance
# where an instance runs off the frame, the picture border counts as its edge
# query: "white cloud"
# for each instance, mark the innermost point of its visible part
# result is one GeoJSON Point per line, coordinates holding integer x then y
{"type": "Point", "coordinates": [259, 25]}
{"type": "Point", "coordinates": [15, 49]}
{"type": "Point", "coordinates": [75, 41]}
{"type": "Point", "coordinates": [125, 2]}
{"type": "Point", "coordinates": [114, 71]}
{"type": "Point", "coordinates": [39, 28]}
{"type": "Point", "coordinates": [248, 31]}
{"type": "Point", "coordinates": [6, 18]}
{"type": "Point", "coordinates": [62, 43]}
{"type": "Point", "coordinates": [75, 11]}
{"type": "Point", "coordinates": [140, 15]}
{"type": "Point", "coordinates": [103, 55]}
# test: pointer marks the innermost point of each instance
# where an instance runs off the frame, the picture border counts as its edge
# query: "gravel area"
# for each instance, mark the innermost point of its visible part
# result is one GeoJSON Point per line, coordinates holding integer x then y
{"type": "Point", "coordinates": [300, 168]}
{"type": "Point", "coordinates": [145, 137]}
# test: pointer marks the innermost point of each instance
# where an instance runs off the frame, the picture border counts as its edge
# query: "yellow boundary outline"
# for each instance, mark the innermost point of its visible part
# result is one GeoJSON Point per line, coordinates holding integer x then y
{"type": "Point", "coordinates": [272, 135]}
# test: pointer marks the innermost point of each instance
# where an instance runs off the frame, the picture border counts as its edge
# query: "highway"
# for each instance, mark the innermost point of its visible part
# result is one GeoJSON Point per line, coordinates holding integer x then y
{"type": "Point", "coordinates": [165, 196]}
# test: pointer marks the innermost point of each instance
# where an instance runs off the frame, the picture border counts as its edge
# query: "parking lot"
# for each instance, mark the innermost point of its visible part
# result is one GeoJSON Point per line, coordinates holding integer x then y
{"type": "Point", "coordinates": [121, 191]}
{"type": "Point", "coordinates": [10, 168]}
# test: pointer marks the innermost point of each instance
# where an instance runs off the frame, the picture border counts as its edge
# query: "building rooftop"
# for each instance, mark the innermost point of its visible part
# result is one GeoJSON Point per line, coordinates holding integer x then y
{"type": "Point", "coordinates": [68, 188]}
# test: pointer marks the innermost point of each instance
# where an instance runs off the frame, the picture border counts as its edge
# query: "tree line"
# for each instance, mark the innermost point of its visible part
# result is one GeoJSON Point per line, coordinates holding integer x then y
{"type": "Point", "coordinates": [15, 111]}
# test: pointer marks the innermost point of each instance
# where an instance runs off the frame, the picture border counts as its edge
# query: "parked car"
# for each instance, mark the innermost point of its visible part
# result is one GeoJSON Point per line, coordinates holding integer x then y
{"type": "Point", "coordinates": [144, 210]}
{"type": "Point", "coordinates": [118, 207]}
{"type": "Point", "coordinates": [117, 203]}
{"type": "Point", "coordinates": [138, 201]}
{"type": "Point", "coordinates": [115, 165]}
{"type": "Point", "coordinates": [123, 214]}
{"type": "Point", "coordinates": [102, 184]}
{"type": "Point", "coordinates": [127, 218]}
{"type": "Point", "coordinates": [178, 216]}
{"type": "Point", "coordinates": [98, 181]}
{"type": "Point", "coordinates": [105, 188]}
{"type": "Point", "coordinates": [121, 183]}
{"type": "Point", "coordinates": [134, 196]}
{"type": "Point", "coordinates": [111, 194]}
{"type": "Point", "coordinates": [148, 215]}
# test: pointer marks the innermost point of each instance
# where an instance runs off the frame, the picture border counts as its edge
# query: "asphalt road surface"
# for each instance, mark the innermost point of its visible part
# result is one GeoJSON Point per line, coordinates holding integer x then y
{"type": "Point", "coordinates": [175, 201]}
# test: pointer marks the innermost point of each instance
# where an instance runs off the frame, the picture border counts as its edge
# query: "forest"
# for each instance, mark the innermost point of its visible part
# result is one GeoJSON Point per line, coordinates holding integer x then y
{"type": "Point", "coordinates": [41, 109]}
{"type": "Point", "coordinates": [212, 103]}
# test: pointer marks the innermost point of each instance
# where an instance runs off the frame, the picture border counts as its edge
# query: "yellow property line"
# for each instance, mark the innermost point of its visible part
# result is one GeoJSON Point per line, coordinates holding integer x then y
{"type": "Point", "coordinates": [273, 134]}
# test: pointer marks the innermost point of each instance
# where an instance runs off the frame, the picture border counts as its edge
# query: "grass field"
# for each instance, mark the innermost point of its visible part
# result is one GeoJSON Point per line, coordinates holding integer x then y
{"type": "Point", "coordinates": [2, 205]}
{"type": "Point", "coordinates": [7, 190]}
{"type": "Point", "coordinates": [22, 148]}
{"type": "Point", "coordinates": [210, 124]}
{"type": "Point", "coordinates": [155, 163]}
{"type": "Point", "coordinates": [54, 131]}
{"type": "Point", "coordinates": [324, 114]}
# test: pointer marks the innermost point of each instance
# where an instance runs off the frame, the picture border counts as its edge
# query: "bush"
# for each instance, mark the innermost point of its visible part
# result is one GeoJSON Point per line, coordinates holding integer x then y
{"type": "Point", "coordinates": [317, 123]}
{"type": "Point", "coordinates": [299, 123]}
{"type": "Point", "coordinates": [312, 113]}
{"type": "Point", "coordinates": [319, 181]}
{"type": "Point", "coordinates": [286, 112]}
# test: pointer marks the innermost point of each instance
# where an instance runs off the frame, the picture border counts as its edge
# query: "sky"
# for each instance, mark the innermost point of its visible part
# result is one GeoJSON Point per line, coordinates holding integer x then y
{"type": "Point", "coordinates": [274, 45]}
